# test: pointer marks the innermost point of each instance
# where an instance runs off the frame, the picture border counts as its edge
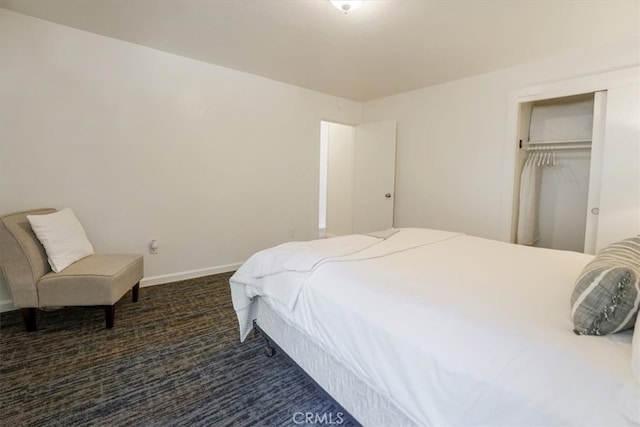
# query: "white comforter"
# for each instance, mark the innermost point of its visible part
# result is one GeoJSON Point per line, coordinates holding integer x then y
{"type": "Point", "coordinates": [456, 330]}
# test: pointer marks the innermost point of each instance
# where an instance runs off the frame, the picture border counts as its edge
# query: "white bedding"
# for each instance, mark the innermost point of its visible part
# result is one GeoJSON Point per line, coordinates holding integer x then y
{"type": "Point", "coordinates": [280, 272]}
{"type": "Point", "coordinates": [458, 330]}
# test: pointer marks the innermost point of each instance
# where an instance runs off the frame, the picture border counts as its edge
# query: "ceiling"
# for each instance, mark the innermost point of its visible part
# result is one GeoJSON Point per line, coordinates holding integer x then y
{"type": "Point", "coordinates": [383, 48]}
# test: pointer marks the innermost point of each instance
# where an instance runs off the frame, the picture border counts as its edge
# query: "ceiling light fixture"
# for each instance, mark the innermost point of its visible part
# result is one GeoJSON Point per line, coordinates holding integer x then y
{"type": "Point", "coordinates": [346, 6]}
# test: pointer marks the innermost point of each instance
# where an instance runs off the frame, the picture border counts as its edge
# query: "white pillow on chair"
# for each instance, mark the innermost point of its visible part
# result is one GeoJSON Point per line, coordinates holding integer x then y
{"type": "Point", "coordinates": [63, 238]}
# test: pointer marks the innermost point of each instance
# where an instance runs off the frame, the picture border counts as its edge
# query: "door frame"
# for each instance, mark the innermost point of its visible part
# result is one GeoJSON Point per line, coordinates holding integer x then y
{"type": "Point", "coordinates": [575, 86]}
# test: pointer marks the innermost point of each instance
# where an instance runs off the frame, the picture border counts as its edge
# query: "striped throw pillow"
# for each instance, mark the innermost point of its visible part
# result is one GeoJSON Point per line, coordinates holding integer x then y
{"type": "Point", "coordinates": [606, 297]}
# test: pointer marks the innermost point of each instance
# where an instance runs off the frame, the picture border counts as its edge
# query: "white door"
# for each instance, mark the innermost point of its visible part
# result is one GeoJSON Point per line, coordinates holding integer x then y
{"type": "Point", "coordinates": [595, 172]}
{"type": "Point", "coordinates": [619, 207]}
{"type": "Point", "coordinates": [374, 176]}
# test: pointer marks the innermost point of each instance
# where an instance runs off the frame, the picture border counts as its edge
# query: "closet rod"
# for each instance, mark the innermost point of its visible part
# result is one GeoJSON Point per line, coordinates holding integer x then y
{"type": "Point", "coordinates": [576, 146]}
{"type": "Point", "coordinates": [542, 144]}
{"type": "Point", "coordinates": [561, 141]}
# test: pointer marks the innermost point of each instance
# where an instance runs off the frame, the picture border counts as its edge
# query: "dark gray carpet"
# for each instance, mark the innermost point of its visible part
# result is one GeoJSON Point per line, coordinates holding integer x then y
{"type": "Point", "coordinates": [172, 359]}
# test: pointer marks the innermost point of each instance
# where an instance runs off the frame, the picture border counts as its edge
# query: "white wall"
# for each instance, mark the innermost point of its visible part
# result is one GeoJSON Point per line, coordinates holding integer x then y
{"type": "Point", "coordinates": [450, 159]}
{"type": "Point", "coordinates": [214, 163]}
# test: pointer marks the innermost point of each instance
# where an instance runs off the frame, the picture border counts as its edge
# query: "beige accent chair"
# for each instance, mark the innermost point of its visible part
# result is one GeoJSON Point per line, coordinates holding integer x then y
{"type": "Point", "coordinates": [99, 280]}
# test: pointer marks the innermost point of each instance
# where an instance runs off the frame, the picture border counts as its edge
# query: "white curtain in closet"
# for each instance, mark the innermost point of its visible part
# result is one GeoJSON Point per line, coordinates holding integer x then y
{"type": "Point", "coordinates": [528, 233]}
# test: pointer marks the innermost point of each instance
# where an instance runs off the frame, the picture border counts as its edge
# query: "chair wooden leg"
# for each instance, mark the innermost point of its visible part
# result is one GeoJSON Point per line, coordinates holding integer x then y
{"type": "Point", "coordinates": [109, 315]}
{"type": "Point", "coordinates": [29, 316]}
{"type": "Point", "coordinates": [135, 291]}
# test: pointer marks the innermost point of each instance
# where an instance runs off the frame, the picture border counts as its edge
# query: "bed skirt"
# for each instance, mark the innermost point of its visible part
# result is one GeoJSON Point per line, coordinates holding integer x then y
{"type": "Point", "coordinates": [366, 405]}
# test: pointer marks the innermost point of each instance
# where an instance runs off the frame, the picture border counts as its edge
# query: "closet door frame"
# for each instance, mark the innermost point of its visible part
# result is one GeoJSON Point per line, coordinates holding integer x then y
{"type": "Point", "coordinates": [515, 99]}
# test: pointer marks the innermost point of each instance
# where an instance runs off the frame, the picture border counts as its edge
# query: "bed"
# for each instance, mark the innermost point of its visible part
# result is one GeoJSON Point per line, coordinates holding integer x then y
{"type": "Point", "coordinates": [433, 328]}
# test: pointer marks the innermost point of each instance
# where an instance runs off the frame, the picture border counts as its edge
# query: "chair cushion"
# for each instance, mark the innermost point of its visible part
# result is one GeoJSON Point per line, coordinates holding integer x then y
{"type": "Point", "coordinates": [94, 280]}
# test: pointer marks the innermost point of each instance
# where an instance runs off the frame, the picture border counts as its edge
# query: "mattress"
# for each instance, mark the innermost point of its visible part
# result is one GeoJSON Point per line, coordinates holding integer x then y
{"type": "Point", "coordinates": [455, 330]}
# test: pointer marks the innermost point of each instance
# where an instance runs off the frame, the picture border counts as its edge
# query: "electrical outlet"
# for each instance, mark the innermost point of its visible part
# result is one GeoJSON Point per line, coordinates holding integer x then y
{"type": "Point", "coordinates": [292, 233]}
{"type": "Point", "coordinates": [153, 247]}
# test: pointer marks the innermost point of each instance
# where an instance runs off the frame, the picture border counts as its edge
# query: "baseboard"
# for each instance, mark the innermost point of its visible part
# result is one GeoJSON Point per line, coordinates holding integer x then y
{"type": "Point", "coordinates": [185, 275]}
{"type": "Point", "coordinates": [7, 305]}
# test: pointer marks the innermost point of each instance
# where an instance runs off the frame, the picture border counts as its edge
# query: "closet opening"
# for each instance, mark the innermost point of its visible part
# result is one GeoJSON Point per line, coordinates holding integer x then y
{"type": "Point", "coordinates": [337, 151]}
{"type": "Point", "coordinates": [357, 177]}
{"type": "Point", "coordinates": [613, 203]}
{"type": "Point", "coordinates": [555, 171]}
